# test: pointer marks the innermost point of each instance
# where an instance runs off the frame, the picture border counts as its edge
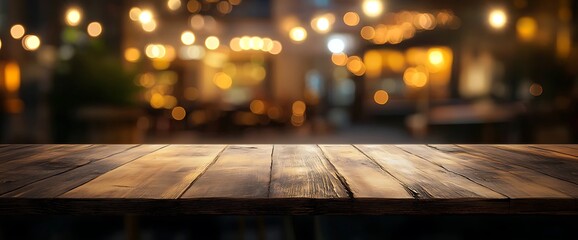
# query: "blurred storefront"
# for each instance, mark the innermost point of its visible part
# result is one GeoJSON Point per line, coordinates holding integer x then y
{"type": "Point", "coordinates": [288, 71]}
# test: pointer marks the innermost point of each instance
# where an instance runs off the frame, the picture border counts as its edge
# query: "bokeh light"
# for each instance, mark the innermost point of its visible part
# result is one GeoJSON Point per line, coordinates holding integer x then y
{"type": "Point", "coordinates": [372, 8]}
{"type": "Point", "coordinates": [178, 113]}
{"type": "Point", "coordinates": [17, 31]}
{"type": "Point", "coordinates": [380, 97]}
{"type": "Point", "coordinates": [94, 29]}
{"type": "Point", "coordinates": [298, 108]}
{"type": "Point", "coordinates": [257, 107]}
{"type": "Point", "coordinates": [212, 43]}
{"type": "Point", "coordinates": [131, 54]}
{"type": "Point", "coordinates": [298, 34]}
{"type": "Point", "coordinates": [351, 19]}
{"type": "Point", "coordinates": [73, 16]}
{"type": "Point", "coordinates": [222, 80]}
{"type": "Point", "coordinates": [536, 89]}
{"type": "Point", "coordinates": [31, 42]}
{"type": "Point", "coordinates": [188, 38]}
{"type": "Point", "coordinates": [173, 4]}
{"type": "Point", "coordinates": [497, 18]}
{"type": "Point", "coordinates": [526, 28]}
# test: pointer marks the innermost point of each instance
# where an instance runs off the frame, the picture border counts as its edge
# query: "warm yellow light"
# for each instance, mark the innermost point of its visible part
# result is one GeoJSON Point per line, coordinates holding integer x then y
{"type": "Point", "coordinates": [351, 19]}
{"type": "Point", "coordinates": [73, 16]}
{"type": "Point", "coordinates": [276, 48]}
{"type": "Point", "coordinates": [395, 60]}
{"type": "Point", "coordinates": [367, 32]}
{"type": "Point", "coordinates": [155, 51]}
{"type": "Point", "coordinates": [178, 113]}
{"type": "Point", "coordinates": [374, 63]}
{"type": "Point", "coordinates": [323, 23]}
{"type": "Point", "coordinates": [339, 59]}
{"type": "Point", "coordinates": [149, 26]}
{"type": "Point", "coordinates": [372, 8]}
{"type": "Point", "coordinates": [188, 37]}
{"type": "Point", "coordinates": [526, 28]}
{"type": "Point", "coordinates": [132, 54]}
{"type": "Point", "coordinates": [134, 13]}
{"type": "Point", "coordinates": [94, 29]}
{"type": "Point", "coordinates": [30, 42]}
{"type": "Point", "coordinates": [415, 77]}
{"type": "Point", "coordinates": [497, 18]}
{"type": "Point", "coordinates": [380, 97]}
{"type": "Point", "coordinates": [355, 65]}
{"type": "Point", "coordinates": [174, 4]}
{"type": "Point", "coordinates": [245, 42]}
{"type": "Point", "coordinates": [161, 64]}
{"type": "Point", "coordinates": [222, 80]}
{"type": "Point", "coordinates": [536, 89]}
{"type": "Point", "coordinates": [170, 101]}
{"type": "Point", "coordinates": [256, 43]}
{"type": "Point", "coordinates": [267, 44]}
{"type": "Point", "coordinates": [212, 43]}
{"type": "Point", "coordinates": [0, 43]}
{"type": "Point", "coordinates": [157, 100]}
{"type": "Point", "coordinates": [170, 53]}
{"type": "Point", "coordinates": [298, 108]}
{"type": "Point", "coordinates": [17, 31]}
{"type": "Point", "coordinates": [145, 16]}
{"type": "Point", "coordinates": [257, 107]}
{"type": "Point", "coordinates": [12, 77]}
{"type": "Point", "coordinates": [435, 56]}
{"type": "Point", "coordinates": [298, 34]}
{"type": "Point", "coordinates": [235, 44]}
{"type": "Point", "coordinates": [258, 73]}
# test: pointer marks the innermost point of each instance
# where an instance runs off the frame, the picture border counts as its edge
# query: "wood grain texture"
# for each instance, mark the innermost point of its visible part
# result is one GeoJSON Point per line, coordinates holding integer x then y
{"type": "Point", "coordinates": [166, 173]}
{"type": "Point", "coordinates": [364, 177]}
{"type": "Point", "coordinates": [19, 173]}
{"type": "Point", "coordinates": [27, 152]}
{"type": "Point", "coordinates": [61, 183]}
{"type": "Point", "coordinates": [493, 177]}
{"type": "Point", "coordinates": [288, 179]}
{"type": "Point", "coordinates": [523, 176]}
{"type": "Point", "coordinates": [242, 171]}
{"type": "Point", "coordinates": [301, 171]}
{"type": "Point", "coordinates": [425, 179]}
{"type": "Point", "coordinates": [560, 148]}
{"type": "Point", "coordinates": [559, 166]}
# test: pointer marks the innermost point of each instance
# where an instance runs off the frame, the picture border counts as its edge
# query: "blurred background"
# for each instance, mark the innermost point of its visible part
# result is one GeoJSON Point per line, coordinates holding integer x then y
{"type": "Point", "coordinates": [300, 71]}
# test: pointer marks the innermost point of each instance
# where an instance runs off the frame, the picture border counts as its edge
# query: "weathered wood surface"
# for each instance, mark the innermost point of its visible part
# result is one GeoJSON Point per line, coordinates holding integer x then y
{"type": "Point", "coordinates": [288, 179]}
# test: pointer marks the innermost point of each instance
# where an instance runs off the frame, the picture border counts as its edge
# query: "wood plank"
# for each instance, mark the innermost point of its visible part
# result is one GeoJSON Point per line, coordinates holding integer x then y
{"type": "Point", "coordinates": [559, 167]}
{"type": "Point", "coordinates": [560, 148]}
{"type": "Point", "coordinates": [61, 183]}
{"type": "Point", "coordinates": [525, 188]}
{"type": "Point", "coordinates": [164, 174]}
{"type": "Point", "coordinates": [242, 171]}
{"type": "Point", "coordinates": [23, 151]}
{"type": "Point", "coordinates": [19, 173]}
{"type": "Point", "coordinates": [301, 171]}
{"type": "Point", "coordinates": [363, 176]}
{"type": "Point", "coordinates": [425, 179]}
{"type": "Point", "coordinates": [494, 176]}
{"type": "Point", "coordinates": [526, 175]}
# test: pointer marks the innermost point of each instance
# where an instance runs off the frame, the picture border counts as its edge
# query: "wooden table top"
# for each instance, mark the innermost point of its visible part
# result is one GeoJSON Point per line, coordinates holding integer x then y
{"type": "Point", "coordinates": [288, 179]}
